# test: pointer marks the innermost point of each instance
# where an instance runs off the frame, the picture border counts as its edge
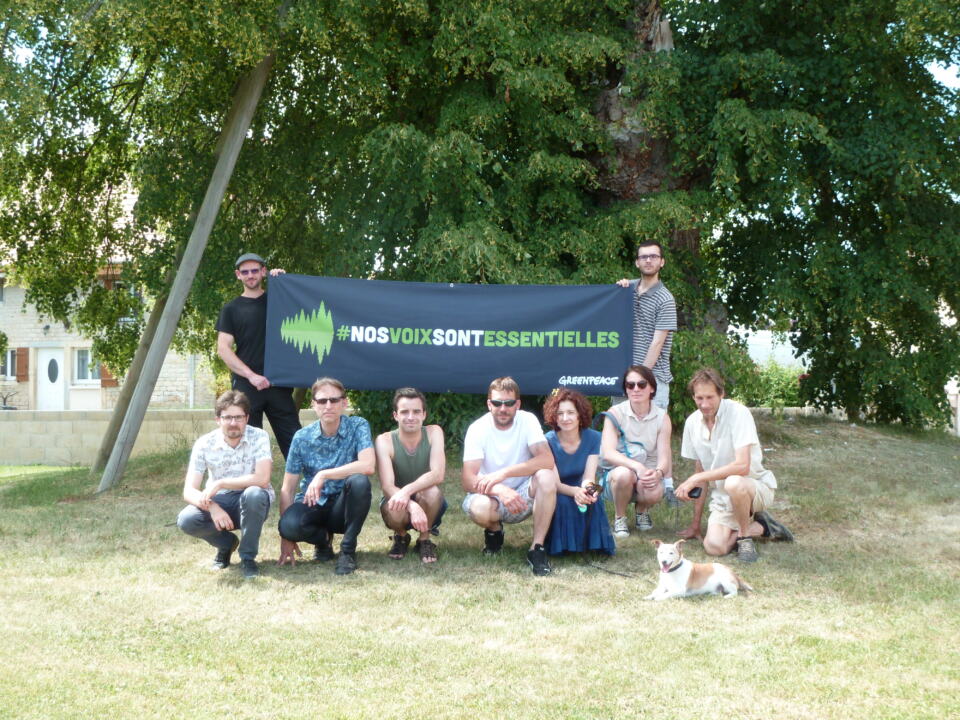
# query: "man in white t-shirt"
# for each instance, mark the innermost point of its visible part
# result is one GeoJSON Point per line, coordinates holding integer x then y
{"type": "Point", "coordinates": [509, 472]}
{"type": "Point", "coordinates": [721, 437]}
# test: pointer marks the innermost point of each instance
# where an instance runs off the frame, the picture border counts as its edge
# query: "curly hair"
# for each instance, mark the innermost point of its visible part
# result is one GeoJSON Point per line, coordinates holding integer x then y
{"type": "Point", "coordinates": [579, 400]}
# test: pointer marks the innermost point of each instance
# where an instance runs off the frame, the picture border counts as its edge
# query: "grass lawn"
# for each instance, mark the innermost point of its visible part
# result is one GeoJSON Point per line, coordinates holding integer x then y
{"type": "Point", "coordinates": [109, 611]}
{"type": "Point", "coordinates": [16, 472]}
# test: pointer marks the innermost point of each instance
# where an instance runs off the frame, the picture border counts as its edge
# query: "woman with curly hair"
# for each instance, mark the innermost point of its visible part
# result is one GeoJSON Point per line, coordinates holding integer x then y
{"type": "Point", "coordinates": [576, 449]}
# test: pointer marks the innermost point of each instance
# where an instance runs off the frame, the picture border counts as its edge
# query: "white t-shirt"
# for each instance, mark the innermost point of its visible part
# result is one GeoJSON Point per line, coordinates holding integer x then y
{"type": "Point", "coordinates": [501, 448]}
{"type": "Point", "coordinates": [733, 429]}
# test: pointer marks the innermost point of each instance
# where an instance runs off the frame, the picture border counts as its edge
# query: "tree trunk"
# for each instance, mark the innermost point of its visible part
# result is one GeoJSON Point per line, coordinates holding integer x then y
{"type": "Point", "coordinates": [640, 163]}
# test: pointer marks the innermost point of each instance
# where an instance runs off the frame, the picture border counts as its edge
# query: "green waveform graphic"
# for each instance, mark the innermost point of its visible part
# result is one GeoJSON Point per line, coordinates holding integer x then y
{"type": "Point", "coordinates": [314, 331]}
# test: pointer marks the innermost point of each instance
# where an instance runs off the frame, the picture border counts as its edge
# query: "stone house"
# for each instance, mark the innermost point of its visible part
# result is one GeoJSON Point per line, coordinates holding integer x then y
{"type": "Point", "coordinates": [48, 366]}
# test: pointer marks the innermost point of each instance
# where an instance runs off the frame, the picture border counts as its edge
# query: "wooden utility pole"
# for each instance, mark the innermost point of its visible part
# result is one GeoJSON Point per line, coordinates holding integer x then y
{"type": "Point", "coordinates": [231, 140]}
{"type": "Point", "coordinates": [130, 382]}
{"type": "Point", "coordinates": [132, 376]}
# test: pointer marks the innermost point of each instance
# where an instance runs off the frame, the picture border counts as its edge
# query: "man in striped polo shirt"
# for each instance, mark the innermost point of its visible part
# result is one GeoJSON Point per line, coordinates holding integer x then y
{"type": "Point", "coordinates": [654, 322]}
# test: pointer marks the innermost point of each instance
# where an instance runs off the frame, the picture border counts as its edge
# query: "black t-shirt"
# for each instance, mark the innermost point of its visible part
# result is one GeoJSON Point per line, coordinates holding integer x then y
{"type": "Point", "coordinates": [246, 319]}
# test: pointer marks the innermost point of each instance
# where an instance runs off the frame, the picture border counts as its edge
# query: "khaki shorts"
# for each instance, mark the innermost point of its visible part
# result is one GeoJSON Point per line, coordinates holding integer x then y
{"type": "Point", "coordinates": [721, 507]}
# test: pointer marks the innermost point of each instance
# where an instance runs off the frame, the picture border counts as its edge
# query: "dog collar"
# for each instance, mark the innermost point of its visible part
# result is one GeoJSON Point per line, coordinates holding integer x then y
{"type": "Point", "coordinates": [675, 567]}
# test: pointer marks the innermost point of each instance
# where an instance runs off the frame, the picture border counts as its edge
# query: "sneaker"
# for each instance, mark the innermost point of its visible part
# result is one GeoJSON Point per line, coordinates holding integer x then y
{"type": "Point", "coordinates": [670, 497]}
{"type": "Point", "coordinates": [537, 557]}
{"type": "Point", "coordinates": [772, 530]}
{"type": "Point", "coordinates": [346, 563]}
{"type": "Point", "coordinates": [644, 523]}
{"type": "Point", "coordinates": [399, 547]}
{"type": "Point", "coordinates": [222, 560]}
{"type": "Point", "coordinates": [492, 541]}
{"type": "Point", "coordinates": [746, 552]}
{"type": "Point", "coordinates": [323, 553]}
{"type": "Point", "coordinates": [249, 569]}
{"type": "Point", "coordinates": [620, 527]}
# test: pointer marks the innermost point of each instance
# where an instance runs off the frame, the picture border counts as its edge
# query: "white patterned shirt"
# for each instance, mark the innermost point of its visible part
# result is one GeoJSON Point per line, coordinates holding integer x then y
{"type": "Point", "coordinates": [215, 459]}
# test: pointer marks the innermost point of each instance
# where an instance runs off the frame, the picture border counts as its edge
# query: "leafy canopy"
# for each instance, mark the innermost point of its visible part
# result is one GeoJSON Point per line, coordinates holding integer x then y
{"type": "Point", "coordinates": [812, 171]}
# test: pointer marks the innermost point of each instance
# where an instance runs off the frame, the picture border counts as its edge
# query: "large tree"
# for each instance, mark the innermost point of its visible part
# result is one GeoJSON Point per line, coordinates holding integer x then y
{"type": "Point", "coordinates": [798, 157]}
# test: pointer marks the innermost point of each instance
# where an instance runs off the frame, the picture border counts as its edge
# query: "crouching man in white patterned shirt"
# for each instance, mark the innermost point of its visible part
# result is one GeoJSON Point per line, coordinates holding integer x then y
{"type": "Point", "coordinates": [237, 461]}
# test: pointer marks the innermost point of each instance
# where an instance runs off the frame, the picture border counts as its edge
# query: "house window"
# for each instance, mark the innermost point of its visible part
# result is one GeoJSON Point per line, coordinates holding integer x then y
{"type": "Point", "coordinates": [8, 365]}
{"type": "Point", "coordinates": [3, 281]}
{"type": "Point", "coordinates": [85, 366]}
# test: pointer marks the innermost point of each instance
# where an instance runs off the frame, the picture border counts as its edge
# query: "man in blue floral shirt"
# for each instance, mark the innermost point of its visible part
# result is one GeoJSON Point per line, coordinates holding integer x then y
{"type": "Point", "coordinates": [326, 486]}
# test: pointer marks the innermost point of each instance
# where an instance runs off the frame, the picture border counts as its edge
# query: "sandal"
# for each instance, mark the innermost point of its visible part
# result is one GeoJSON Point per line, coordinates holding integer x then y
{"type": "Point", "coordinates": [427, 550]}
{"type": "Point", "coordinates": [400, 545]}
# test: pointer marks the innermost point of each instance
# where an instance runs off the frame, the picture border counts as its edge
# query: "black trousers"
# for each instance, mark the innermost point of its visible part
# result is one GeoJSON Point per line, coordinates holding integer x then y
{"type": "Point", "coordinates": [277, 403]}
{"type": "Point", "coordinates": [342, 513]}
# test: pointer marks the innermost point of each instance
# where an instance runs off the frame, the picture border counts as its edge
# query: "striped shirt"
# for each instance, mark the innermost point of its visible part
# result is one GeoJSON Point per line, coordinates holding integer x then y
{"type": "Point", "coordinates": [653, 310]}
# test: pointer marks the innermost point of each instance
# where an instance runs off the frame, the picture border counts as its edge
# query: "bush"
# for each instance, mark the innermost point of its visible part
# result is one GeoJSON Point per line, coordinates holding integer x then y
{"type": "Point", "coordinates": [452, 411]}
{"type": "Point", "coordinates": [695, 349]}
{"type": "Point", "coordinates": [779, 387]}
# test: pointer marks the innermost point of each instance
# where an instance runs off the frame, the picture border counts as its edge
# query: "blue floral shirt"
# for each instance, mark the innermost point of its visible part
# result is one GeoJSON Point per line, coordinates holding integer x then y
{"type": "Point", "coordinates": [311, 451]}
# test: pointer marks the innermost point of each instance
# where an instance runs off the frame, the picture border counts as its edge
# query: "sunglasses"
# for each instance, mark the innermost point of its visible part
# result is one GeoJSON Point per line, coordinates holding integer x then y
{"type": "Point", "coordinates": [630, 385]}
{"type": "Point", "coordinates": [255, 271]}
{"type": "Point", "coordinates": [501, 403]}
{"type": "Point", "coordinates": [324, 401]}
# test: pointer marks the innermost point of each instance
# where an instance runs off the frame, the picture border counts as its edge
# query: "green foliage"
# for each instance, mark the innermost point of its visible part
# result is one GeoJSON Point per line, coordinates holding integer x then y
{"type": "Point", "coordinates": [777, 387]}
{"type": "Point", "coordinates": [832, 159]}
{"type": "Point", "coordinates": [813, 180]}
{"type": "Point", "coordinates": [695, 349]}
{"type": "Point", "coordinates": [452, 411]}
{"type": "Point", "coordinates": [4, 341]}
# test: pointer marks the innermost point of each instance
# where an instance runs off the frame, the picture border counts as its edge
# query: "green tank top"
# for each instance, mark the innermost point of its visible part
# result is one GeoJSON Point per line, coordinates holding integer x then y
{"type": "Point", "coordinates": [408, 467]}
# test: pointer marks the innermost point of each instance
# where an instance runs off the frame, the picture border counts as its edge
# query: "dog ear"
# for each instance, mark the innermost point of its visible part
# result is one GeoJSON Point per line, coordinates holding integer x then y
{"type": "Point", "coordinates": [656, 543]}
{"type": "Point", "coordinates": [678, 543]}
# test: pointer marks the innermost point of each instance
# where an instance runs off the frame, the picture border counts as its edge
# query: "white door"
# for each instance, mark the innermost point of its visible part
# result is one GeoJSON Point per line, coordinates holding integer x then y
{"type": "Point", "coordinates": [51, 383]}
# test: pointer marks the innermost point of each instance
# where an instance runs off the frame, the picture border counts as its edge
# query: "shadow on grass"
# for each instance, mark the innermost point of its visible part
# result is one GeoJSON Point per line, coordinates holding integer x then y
{"type": "Point", "coordinates": [47, 488]}
{"type": "Point", "coordinates": [156, 474]}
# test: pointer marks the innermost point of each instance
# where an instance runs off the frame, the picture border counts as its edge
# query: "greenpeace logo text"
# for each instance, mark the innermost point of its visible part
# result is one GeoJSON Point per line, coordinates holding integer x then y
{"type": "Point", "coordinates": [587, 380]}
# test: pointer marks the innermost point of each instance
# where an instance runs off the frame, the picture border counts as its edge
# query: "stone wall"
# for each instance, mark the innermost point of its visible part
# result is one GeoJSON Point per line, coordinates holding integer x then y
{"type": "Point", "coordinates": [72, 437]}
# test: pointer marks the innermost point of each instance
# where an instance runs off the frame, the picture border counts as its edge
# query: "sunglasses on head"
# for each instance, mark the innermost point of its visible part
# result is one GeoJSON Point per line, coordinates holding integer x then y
{"type": "Point", "coordinates": [630, 385]}
{"type": "Point", "coordinates": [501, 403]}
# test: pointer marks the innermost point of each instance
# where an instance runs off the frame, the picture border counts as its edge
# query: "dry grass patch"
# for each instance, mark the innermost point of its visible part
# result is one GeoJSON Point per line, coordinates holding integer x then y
{"type": "Point", "coordinates": [109, 611]}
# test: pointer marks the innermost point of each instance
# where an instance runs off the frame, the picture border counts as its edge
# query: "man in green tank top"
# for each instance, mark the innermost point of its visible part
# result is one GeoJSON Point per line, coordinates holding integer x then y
{"type": "Point", "coordinates": [411, 463]}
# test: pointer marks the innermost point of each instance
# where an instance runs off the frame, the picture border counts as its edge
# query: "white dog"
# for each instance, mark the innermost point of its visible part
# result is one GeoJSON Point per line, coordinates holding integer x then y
{"type": "Point", "coordinates": [680, 578]}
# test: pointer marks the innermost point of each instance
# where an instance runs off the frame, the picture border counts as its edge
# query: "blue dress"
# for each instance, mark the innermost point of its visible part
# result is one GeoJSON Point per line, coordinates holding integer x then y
{"type": "Point", "coordinates": [569, 528]}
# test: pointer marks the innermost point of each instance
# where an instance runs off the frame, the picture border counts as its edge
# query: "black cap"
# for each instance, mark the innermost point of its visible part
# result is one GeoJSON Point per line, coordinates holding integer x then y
{"type": "Point", "coordinates": [247, 257]}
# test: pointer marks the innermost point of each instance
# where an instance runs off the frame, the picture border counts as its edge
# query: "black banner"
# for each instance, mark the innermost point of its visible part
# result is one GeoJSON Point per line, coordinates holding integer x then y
{"type": "Point", "coordinates": [380, 335]}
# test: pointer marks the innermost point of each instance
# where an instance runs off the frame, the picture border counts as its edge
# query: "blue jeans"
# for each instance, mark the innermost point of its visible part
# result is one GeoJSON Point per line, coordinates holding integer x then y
{"type": "Point", "coordinates": [662, 398]}
{"type": "Point", "coordinates": [247, 508]}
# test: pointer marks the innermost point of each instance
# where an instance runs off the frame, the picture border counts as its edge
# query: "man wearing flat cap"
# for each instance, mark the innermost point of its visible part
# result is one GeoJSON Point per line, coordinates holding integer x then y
{"type": "Point", "coordinates": [241, 336]}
